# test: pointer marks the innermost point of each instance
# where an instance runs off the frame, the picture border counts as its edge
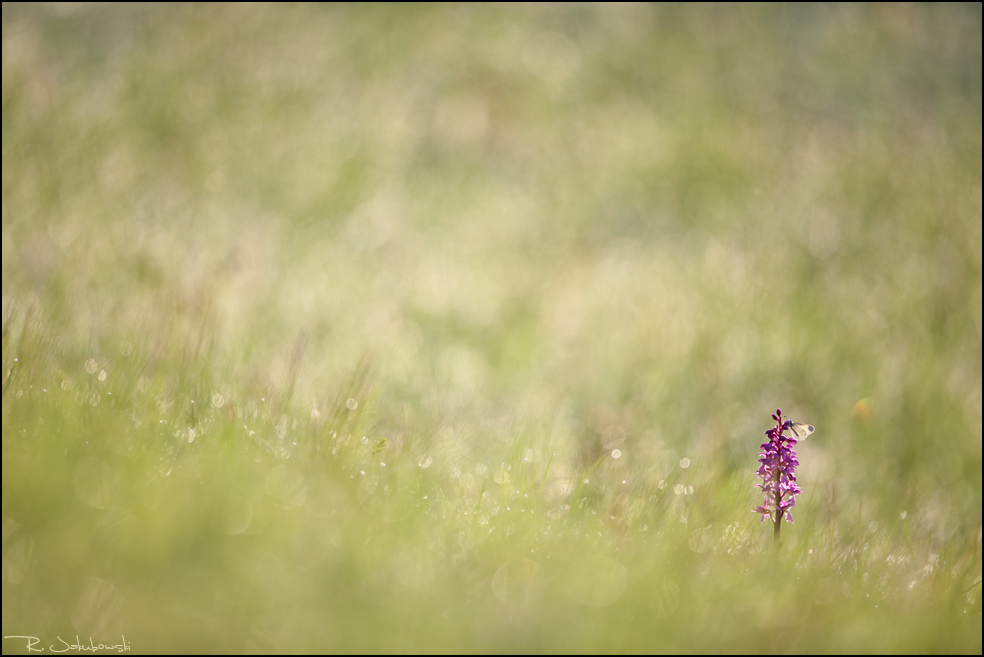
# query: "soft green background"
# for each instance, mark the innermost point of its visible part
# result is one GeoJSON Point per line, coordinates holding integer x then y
{"type": "Point", "coordinates": [457, 328]}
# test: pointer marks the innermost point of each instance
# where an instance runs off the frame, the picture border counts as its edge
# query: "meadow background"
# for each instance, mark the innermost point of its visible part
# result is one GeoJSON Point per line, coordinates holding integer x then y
{"type": "Point", "coordinates": [457, 328]}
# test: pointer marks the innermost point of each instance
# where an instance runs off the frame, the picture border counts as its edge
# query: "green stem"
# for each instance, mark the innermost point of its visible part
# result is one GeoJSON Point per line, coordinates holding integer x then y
{"type": "Point", "coordinates": [778, 521]}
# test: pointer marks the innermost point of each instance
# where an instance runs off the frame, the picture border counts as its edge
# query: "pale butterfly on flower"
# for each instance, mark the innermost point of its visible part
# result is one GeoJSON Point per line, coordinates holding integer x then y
{"type": "Point", "coordinates": [800, 430]}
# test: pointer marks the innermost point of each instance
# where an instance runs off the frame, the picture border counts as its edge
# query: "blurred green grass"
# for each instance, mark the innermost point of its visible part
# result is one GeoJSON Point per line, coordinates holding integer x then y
{"type": "Point", "coordinates": [244, 245]}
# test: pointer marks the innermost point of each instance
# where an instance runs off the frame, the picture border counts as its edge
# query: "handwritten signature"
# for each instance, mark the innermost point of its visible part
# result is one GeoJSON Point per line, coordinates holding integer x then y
{"type": "Point", "coordinates": [92, 646]}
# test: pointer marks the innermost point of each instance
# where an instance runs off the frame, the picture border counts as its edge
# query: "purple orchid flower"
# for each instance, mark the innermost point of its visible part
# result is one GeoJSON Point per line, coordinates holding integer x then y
{"type": "Point", "coordinates": [778, 470]}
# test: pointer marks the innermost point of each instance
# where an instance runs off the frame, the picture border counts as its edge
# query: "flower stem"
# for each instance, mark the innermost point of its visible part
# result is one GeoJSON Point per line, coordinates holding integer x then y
{"type": "Point", "coordinates": [778, 522]}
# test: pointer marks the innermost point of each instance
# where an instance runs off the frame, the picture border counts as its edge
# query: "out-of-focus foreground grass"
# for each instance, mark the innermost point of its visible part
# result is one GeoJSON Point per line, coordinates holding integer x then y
{"type": "Point", "coordinates": [447, 328]}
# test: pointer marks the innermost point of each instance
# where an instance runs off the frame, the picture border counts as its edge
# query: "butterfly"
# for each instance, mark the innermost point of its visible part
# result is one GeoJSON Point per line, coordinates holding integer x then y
{"type": "Point", "coordinates": [800, 431]}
